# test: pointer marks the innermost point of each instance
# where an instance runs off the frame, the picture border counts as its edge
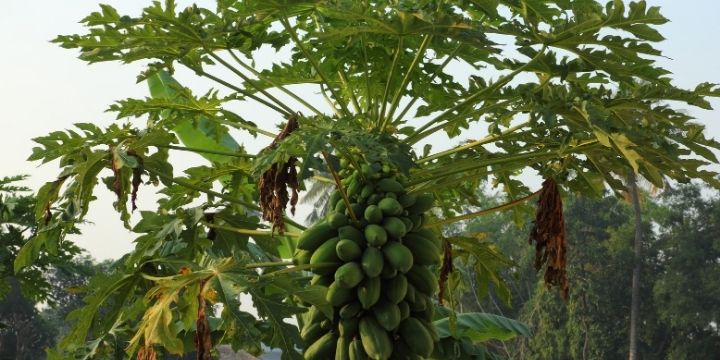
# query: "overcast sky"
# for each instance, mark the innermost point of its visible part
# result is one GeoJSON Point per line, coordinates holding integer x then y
{"type": "Point", "coordinates": [45, 88]}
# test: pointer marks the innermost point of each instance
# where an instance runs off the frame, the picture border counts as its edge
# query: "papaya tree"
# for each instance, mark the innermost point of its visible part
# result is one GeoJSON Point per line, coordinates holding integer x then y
{"type": "Point", "coordinates": [423, 101]}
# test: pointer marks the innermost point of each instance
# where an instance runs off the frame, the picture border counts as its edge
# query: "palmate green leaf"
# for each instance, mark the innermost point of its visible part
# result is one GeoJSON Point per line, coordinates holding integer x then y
{"type": "Point", "coordinates": [246, 334]}
{"type": "Point", "coordinates": [487, 262]}
{"type": "Point", "coordinates": [481, 327]}
{"type": "Point", "coordinates": [118, 285]}
{"type": "Point", "coordinates": [199, 134]}
{"type": "Point", "coordinates": [273, 309]}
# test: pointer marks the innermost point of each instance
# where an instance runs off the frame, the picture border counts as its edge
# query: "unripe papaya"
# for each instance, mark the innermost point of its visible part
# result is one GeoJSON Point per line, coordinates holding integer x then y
{"type": "Point", "coordinates": [390, 207]}
{"type": "Point", "coordinates": [407, 200]}
{"type": "Point", "coordinates": [375, 339]}
{"type": "Point", "coordinates": [375, 235]}
{"type": "Point", "coordinates": [367, 170]}
{"type": "Point", "coordinates": [354, 188]}
{"type": "Point", "coordinates": [350, 310]}
{"type": "Point", "coordinates": [356, 350]}
{"type": "Point", "coordinates": [342, 352]}
{"type": "Point", "coordinates": [340, 207]}
{"type": "Point", "coordinates": [358, 210]}
{"type": "Point", "coordinates": [419, 304]}
{"type": "Point", "coordinates": [315, 236]}
{"type": "Point", "coordinates": [372, 262]}
{"type": "Point", "coordinates": [401, 351]}
{"type": "Point", "coordinates": [350, 232]}
{"type": "Point", "coordinates": [368, 292]}
{"type": "Point", "coordinates": [322, 280]}
{"type": "Point", "coordinates": [348, 250]}
{"type": "Point", "coordinates": [366, 191]}
{"type": "Point", "coordinates": [312, 332]}
{"type": "Point", "coordinates": [388, 272]}
{"type": "Point", "coordinates": [422, 279]}
{"type": "Point", "coordinates": [323, 348]}
{"type": "Point", "coordinates": [390, 185]}
{"type": "Point", "coordinates": [430, 327]}
{"type": "Point", "coordinates": [410, 294]}
{"type": "Point", "coordinates": [349, 275]}
{"type": "Point", "coordinates": [373, 199]}
{"type": "Point", "coordinates": [394, 227]}
{"type": "Point", "coordinates": [422, 204]}
{"type": "Point", "coordinates": [301, 257]}
{"type": "Point", "coordinates": [430, 235]}
{"type": "Point", "coordinates": [398, 256]}
{"type": "Point", "coordinates": [338, 296]}
{"type": "Point", "coordinates": [325, 255]}
{"type": "Point", "coordinates": [373, 214]}
{"type": "Point", "coordinates": [337, 220]}
{"type": "Point", "coordinates": [387, 315]}
{"type": "Point", "coordinates": [395, 289]}
{"type": "Point", "coordinates": [404, 310]}
{"type": "Point", "coordinates": [348, 328]}
{"type": "Point", "coordinates": [334, 198]}
{"type": "Point", "coordinates": [417, 337]}
{"type": "Point", "coordinates": [408, 223]}
{"type": "Point", "coordinates": [314, 315]}
{"type": "Point", "coordinates": [423, 250]}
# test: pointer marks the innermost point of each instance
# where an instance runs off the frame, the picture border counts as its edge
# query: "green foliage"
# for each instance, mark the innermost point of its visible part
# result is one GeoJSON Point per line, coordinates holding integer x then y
{"type": "Point", "coordinates": [574, 94]}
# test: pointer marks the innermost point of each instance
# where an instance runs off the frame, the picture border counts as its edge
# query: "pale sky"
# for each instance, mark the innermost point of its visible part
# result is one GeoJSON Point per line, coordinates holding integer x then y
{"type": "Point", "coordinates": [45, 88]}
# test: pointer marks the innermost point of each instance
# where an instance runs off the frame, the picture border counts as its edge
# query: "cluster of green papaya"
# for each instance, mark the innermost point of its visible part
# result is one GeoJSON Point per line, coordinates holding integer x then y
{"type": "Point", "coordinates": [376, 268]}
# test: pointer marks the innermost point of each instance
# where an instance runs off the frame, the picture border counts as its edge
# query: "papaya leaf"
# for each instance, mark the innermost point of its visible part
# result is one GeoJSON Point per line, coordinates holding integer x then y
{"type": "Point", "coordinates": [482, 327]}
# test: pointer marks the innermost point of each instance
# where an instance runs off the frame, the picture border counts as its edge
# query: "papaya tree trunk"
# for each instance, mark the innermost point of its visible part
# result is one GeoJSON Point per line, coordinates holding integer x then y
{"type": "Point", "coordinates": [635, 290]}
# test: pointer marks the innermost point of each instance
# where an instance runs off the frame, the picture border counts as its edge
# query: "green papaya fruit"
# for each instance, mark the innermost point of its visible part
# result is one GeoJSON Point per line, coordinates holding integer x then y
{"type": "Point", "coordinates": [348, 250]}
{"type": "Point", "coordinates": [338, 296]}
{"type": "Point", "coordinates": [398, 256]}
{"type": "Point", "coordinates": [312, 332]}
{"type": "Point", "coordinates": [414, 333]}
{"type": "Point", "coordinates": [372, 262]}
{"type": "Point", "coordinates": [325, 255]}
{"type": "Point", "coordinates": [350, 310]}
{"type": "Point", "coordinates": [395, 289]}
{"type": "Point", "coordinates": [390, 207]}
{"type": "Point", "coordinates": [356, 350]}
{"type": "Point", "coordinates": [373, 214]}
{"type": "Point", "coordinates": [422, 279]}
{"type": "Point", "coordinates": [348, 328]}
{"type": "Point", "coordinates": [349, 275]}
{"type": "Point", "coordinates": [350, 232]}
{"type": "Point", "coordinates": [315, 236]}
{"type": "Point", "coordinates": [375, 235]}
{"type": "Point", "coordinates": [368, 292]}
{"type": "Point", "coordinates": [424, 252]}
{"type": "Point", "coordinates": [337, 220]}
{"type": "Point", "coordinates": [387, 315]}
{"type": "Point", "coordinates": [422, 204]}
{"type": "Point", "coordinates": [394, 227]}
{"type": "Point", "coordinates": [323, 348]}
{"type": "Point", "coordinates": [342, 352]}
{"type": "Point", "coordinates": [390, 185]}
{"type": "Point", "coordinates": [375, 339]}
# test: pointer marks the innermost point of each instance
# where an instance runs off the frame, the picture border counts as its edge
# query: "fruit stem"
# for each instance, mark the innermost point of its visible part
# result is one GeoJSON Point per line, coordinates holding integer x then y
{"type": "Point", "coordinates": [340, 188]}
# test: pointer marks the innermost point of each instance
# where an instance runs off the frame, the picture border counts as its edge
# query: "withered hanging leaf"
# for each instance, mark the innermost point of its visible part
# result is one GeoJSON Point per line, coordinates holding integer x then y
{"type": "Point", "coordinates": [548, 233]}
{"type": "Point", "coordinates": [446, 269]}
{"type": "Point", "coordinates": [203, 341]}
{"type": "Point", "coordinates": [275, 181]}
{"type": "Point", "coordinates": [147, 353]}
{"type": "Point", "coordinates": [116, 164]}
{"type": "Point", "coordinates": [136, 180]}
